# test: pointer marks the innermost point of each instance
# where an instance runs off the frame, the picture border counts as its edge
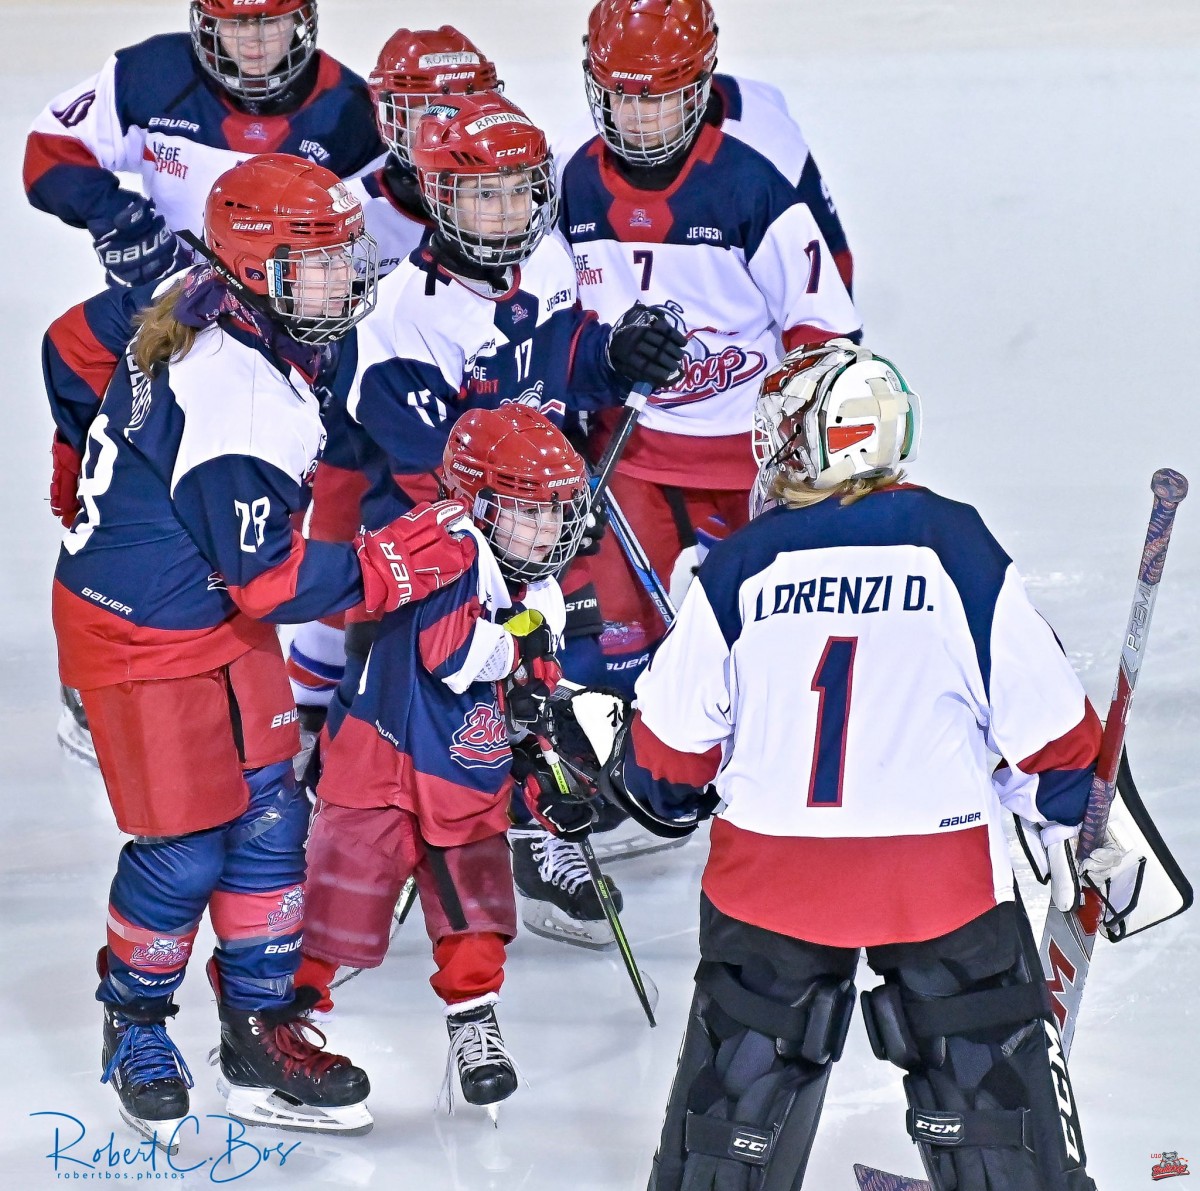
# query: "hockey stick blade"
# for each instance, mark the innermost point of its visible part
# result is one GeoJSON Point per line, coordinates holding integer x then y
{"type": "Point", "coordinates": [870, 1179]}
{"type": "Point", "coordinates": [1069, 937]}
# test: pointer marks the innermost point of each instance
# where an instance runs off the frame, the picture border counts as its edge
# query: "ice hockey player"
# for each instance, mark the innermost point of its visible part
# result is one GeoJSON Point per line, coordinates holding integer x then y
{"type": "Point", "coordinates": [417, 780]}
{"type": "Point", "coordinates": [852, 657]}
{"type": "Point", "coordinates": [696, 194]}
{"type": "Point", "coordinates": [181, 109]}
{"type": "Point", "coordinates": [168, 586]}
{"type": "Point", "coordinates": [414, 68]}
{"type": "Point", "coordinates": [485, 312]}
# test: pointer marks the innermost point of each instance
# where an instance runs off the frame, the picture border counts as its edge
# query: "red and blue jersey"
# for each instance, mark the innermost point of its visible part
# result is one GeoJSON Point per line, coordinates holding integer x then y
{"type": "Point", "coordinates": [151, 110]}
{"type": "Point", "coordinates": [425, 732]}
{"type": "Point", "coordinates": [185, 539]}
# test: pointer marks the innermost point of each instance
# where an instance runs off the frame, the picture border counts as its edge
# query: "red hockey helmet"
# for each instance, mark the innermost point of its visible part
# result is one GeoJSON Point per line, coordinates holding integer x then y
{"type": "Point", "coordinates": [290, 231]}
{"type": "Point", "coordinates": [648, 73]}
{"type": "Point", "coordinates": [255, 49]}
{"type": "Point", "coordinates": [525, 484]}
{"type": "Point", "coordinates": [414, 68]}
{"type": "Point", "coordinates": [487, 175]}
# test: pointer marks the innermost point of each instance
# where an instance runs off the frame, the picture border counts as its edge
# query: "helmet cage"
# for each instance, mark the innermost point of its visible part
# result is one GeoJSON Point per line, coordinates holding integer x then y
{"type": "Point", "coordinates": [449, 194]}
{"type": "Point", "coordinates": [513, 525]}
{"type": "Point", "coordinates": [223, 66]}
{"type": "Point", "coordinates": [348, 275]}
{"type": "Point", "coordinates": [685, 106]}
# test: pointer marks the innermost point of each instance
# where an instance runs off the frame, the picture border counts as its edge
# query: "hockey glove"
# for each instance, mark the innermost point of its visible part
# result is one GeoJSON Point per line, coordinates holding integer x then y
{"type": "Point", "coordinates": [1116, 874]}
{"type": "Point", "coordinates": [593, 529]}
{"type": "Point", "coordinates": [64, 481]}
{"type": "Point", "coordinates": [1050, 850]}
{"type": "Point", "coordinates": [568, 816]}
{"type": "Point", "coordinates": [414, 556]}
{"type": "Point", "coordinates": [535, 672]}
{"type": "Point", "coordinates": [645, 347]}
{"type": "Point", "coordinates": [135, 245]}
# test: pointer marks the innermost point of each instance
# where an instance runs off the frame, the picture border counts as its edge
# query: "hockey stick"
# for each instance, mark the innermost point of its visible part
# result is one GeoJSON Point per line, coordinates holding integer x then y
{"type": "Point", "coordinates": [622, 432]}
{"type": "Point", "coordinates": [1068, 939]}
{"type": "Point", "coordinates": [639, 562]}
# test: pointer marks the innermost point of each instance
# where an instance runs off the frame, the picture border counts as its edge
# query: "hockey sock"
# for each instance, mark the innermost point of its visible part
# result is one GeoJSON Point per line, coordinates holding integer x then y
{"type": "Point", "coordinates": [316, 662]}
{"type": "Point", "coordinates": [469, 966]}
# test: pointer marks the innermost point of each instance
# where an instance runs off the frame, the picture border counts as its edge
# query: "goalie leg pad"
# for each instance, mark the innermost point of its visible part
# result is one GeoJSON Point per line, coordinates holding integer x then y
{"type": "Point", "coordinates": [765, 1027]}
{"type": "Point", "coordinates": [968, 1017]}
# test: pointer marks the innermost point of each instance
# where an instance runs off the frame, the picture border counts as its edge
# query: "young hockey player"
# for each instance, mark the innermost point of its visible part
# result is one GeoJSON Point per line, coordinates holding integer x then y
{"type": "Point", "coordinates": [698, 194]}
{"type": "Point", "coordinates": [417, 780]}
{"type": "Point", "coordinates": [853, 658]}
{"type": "Point", "coordinates": [179, 110]}
{"type": "Point", "coordinates": [414, 68]}
{"type": "Point", "coordinates": [172, 576]}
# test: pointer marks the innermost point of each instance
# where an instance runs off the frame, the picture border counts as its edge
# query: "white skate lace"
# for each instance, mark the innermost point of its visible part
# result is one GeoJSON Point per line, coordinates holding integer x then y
{"type": "Point", "coordinates": [473, 1044]}
{"type": "Point", "coordinates": [561, 863]}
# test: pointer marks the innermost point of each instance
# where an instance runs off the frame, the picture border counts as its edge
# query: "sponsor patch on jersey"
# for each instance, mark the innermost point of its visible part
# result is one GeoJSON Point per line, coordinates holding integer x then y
{"type": "Point", "coordinates": [639, 218]}
{"type": "Point", "coordinates": [495, 119]}
{"type": "Point", "coordinates": [76, 111]}
{"type": "Point", "coordinates": [448, 58]}
{"type": "Point", "coordinates": [171, 122]}
{"type": "Point", "coordinates": [961, 820]}
{"type": "Point", "coordinates": [482, 741]}
{"type": "Point", "coordinates": [167, 159]}
{"type": "Point", "coordinates": [314, 151]}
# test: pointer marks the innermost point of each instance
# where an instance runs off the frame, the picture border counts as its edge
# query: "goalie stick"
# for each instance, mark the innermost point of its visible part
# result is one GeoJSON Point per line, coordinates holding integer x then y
{"type": "Point", "coordinates": [1070, 936]}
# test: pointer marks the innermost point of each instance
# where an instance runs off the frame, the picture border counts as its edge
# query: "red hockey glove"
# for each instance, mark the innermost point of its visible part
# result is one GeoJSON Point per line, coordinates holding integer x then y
{"type": "Point", "coordinates": [568, 816]}
{"type": "Point", "coordinates": [536, 672]}
{"type": "Point", "coordinates": [64, 481]}
{"type": "Point", "coordinates": [414, 556]}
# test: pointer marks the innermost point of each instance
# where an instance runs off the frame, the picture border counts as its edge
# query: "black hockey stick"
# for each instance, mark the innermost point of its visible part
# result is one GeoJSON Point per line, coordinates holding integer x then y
{"type": "Point", "coordinates": [634, 404]}
{"type": "Point", "coordinates": [1069, 937]}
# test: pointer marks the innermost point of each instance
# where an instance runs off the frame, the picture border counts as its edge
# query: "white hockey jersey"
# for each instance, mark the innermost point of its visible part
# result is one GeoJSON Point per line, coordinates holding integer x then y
{"type": "Point", "coordinates": [392, 227]}
{"type": "Point", "coordinates": [846, 676]}
{"type": "Point", "coordinates": [735, 251]}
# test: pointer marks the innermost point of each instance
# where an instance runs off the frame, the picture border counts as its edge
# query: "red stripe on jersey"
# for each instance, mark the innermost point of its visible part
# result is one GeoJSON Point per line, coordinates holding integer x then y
{"type": "Point", "coordinates": [802, 335]}
{"type": "Point", "coordinates": [845, 267]}
{"type": "Point", "coordinates": [1076, 749]}
{"type": "Point", "coordinates": [860, 892]}
{"type": "Point", "coordinates": [81, 351]}
{"type": "Point", "coordinates": [667, 764]}
{"type": "Point", "coordinates": [264, 593]}
{"type": "Point", "coordinates": [446, 636]}
{"type": "Point", "coordinates": [337, 494]}
{"type": "Point", "coordinates": [44, 150]}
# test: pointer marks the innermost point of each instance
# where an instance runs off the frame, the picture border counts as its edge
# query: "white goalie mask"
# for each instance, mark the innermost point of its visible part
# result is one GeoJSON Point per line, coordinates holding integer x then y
{"type": "Point", "coordinates": [832, 413]}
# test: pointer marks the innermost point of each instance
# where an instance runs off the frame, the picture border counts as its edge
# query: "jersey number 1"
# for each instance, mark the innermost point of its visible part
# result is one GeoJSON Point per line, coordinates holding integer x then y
{"type": "Point", "coordinates": [833, 681]}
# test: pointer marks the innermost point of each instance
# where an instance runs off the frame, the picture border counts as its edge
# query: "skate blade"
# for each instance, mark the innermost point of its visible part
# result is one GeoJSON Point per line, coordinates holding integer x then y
{"type": "Point", "coordinates": [614, 851]}
{"type": "Point", "coordinates": [542, 918]}
{"type": "Point", "coordinates": [266, 1107]}
{"type": "Point", "coordinates": [74, 741]}
{"type": "Point", "coordinates": [162, 1133]}
{"type": "Point", "coordinates": [493, 1111]}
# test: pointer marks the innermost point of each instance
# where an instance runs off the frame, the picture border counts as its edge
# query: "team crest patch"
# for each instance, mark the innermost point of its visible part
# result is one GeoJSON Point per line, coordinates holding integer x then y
{"type": "Point", "coordinates": [482, 741]}
{"type": "Point", "coordinates": [162, 952]}
{"type": "Point", "coordinates": [290, 913]}
{"type": "Point", "coordinates": [1168, 1165]}
{"type": "Point", "coordinates": [706, 372]}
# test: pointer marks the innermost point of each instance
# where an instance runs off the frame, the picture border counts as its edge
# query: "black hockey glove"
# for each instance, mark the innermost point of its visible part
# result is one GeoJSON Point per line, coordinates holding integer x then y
{"type": "Point", "coordinates": [568, 816]}
{"type": "Point", "coordinates": [135, 245]}
{"type": "Point", "coordinates": [536, 673]}
{"type": "Point", "coordinates": [594, 529]}
{"type": "Point", "coordinates": [646, 347]}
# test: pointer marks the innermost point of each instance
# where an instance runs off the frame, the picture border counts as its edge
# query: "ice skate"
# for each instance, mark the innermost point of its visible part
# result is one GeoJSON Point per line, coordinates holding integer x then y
{"type": "Point", "coordinates": [146, 1070]}
{"type": "Point", "coordinates": [74, 736]}
{"type": "Point", "coordinates": [275, 1072]}
{"type": "Point", "coordinates": [486, 1071]}
{"type": "Point", "coordinates": [557, 898]}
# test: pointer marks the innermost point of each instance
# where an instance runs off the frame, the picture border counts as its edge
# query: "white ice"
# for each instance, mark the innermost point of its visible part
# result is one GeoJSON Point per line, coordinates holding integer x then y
{"type": "Point", "coordinates": [1020, 186]}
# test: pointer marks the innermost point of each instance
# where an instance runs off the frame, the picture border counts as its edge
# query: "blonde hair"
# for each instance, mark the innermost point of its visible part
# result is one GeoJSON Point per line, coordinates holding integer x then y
{"type": "Point", "coordinates": [161, 337]}
{"type": "Point", "coordinates": [798, 493]}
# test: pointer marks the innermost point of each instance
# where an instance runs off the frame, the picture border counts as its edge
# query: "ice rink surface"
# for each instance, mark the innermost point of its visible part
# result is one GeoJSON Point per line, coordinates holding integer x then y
{"type": "Point", "coordinates": [1019, 184]}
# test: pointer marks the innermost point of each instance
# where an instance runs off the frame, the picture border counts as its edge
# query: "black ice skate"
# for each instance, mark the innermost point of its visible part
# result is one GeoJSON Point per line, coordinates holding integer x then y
{"type": "Point", "coordinates": [558, 900]}
{"type": "Point", "coordinates": [74, 735]}
{"type": "Point", "coordinates": [146, 1070]}
{"type": "Point", "coordinates": [275, 1072]}
{"type": "Point", "coordinates": [486, 1071]}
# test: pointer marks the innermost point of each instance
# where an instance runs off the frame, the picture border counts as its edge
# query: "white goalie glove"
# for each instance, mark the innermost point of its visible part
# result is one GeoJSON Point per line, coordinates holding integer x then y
{"type": "Point", "coordinates": [1116, 873]}
{"type": "Point", "coordinates": [1050, 850]}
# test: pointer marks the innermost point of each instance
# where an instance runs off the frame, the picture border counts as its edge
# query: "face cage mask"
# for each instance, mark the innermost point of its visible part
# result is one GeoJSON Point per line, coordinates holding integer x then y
{"type": "Point", "coordinates": [339, 311]}
{"type": "Point", "coordinates": [648, 148]}
{"type": "Point", "coordinates": [514, 549]}
{"type": "Point", "coordinates": [447, 193]}
{"type": "Point", "coordinates": [221, 65]}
